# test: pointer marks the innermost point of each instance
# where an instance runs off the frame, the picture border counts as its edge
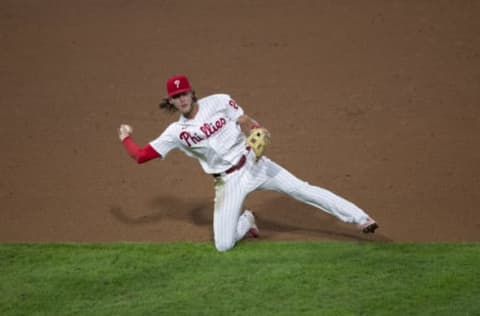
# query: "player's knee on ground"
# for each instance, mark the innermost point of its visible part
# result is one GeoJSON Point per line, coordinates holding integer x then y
{"type": "Point", "coordinates": [224, 245]}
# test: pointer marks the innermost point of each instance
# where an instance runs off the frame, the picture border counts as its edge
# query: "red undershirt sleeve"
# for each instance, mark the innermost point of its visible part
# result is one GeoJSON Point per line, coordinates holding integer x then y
{"type": "Point", "coordinates": [141, 155]}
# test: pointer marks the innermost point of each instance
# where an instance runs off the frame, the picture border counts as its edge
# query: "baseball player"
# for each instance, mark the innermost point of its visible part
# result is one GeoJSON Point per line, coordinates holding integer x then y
{"type": "Point", "coordinates": [230, 146]}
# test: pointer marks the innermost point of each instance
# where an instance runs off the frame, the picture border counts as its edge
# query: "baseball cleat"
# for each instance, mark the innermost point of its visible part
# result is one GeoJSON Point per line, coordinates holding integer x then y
{"type": "Point", "coordinates": [253, 231]}
{"type": "Point", "coordinates": [369, 226]}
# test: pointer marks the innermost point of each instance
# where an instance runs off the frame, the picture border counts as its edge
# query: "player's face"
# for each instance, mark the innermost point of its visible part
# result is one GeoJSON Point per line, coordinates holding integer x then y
{"type": "Point", "coordinates": [183, 102]}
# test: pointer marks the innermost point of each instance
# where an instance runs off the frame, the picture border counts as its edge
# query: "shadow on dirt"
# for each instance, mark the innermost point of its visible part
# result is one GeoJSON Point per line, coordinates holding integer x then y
{"type": "Point", "coordinates": [164, 208]}
{"type": "Point", "coordinates": [275, 215]}
{"type": "Point", "coordinates": [283, 214]}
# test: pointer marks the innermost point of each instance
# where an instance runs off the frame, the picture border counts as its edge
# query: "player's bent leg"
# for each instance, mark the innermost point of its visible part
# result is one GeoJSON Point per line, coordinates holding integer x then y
{"type": "Point", "coordinates": [228, 225]}
{"type": "Point", "coordinates": [285, 182]}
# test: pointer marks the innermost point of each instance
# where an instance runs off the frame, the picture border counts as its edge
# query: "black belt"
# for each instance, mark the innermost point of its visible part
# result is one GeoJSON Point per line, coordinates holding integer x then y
{"type": "Point", "coordinates": [238, 166]}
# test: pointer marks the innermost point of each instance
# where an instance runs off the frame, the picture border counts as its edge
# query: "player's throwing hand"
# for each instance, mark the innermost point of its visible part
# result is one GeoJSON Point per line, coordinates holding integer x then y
{"type": "Point", "coordinates": [124, 131]}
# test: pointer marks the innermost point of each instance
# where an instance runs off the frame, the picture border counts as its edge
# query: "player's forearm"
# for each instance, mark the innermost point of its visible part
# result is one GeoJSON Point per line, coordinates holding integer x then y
{"type": "Point", "coordinates": [140, 155]}
{"type": "Point", "coordinates": [247, 124]}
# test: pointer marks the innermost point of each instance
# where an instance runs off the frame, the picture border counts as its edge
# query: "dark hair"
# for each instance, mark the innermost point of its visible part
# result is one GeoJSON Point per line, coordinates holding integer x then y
{"type": "Point", "coordinates": [167, 106]}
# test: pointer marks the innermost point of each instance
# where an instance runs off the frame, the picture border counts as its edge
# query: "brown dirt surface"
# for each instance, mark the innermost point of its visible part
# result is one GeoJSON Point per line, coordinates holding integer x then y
{"type": "Point", "coordinates": [378, 101]}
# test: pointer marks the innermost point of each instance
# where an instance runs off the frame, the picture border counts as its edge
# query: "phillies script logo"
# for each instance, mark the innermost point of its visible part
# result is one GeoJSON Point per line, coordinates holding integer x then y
{"type": "Point", "coordinates": [207, 129]}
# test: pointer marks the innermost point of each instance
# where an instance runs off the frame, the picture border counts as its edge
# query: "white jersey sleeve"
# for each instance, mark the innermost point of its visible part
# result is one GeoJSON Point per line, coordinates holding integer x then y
{"type": "Point", "coordinates": [231, 107]}
{"type": "Point", "coordinates": [167, 141]}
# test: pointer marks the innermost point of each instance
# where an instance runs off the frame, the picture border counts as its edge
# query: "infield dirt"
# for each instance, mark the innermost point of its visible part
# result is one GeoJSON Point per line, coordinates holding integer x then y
{"type": "Point", "coordinates": [378, 101]}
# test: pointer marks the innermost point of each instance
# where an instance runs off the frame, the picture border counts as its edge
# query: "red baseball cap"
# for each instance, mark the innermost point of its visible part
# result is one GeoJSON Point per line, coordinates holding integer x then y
{"type": "Point", "coordinates": [178, 84]}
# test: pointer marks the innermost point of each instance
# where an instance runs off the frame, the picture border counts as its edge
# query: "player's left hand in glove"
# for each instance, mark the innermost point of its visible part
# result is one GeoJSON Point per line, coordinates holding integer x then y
{"type": "Point", "coordinates": [124, 131]}
{"type": "Point", "coordinates": [258, 140]}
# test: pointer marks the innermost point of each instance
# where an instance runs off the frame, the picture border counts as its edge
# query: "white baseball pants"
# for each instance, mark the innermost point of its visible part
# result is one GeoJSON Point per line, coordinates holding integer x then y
{"type": "Point", "coordinates": [229, 225]}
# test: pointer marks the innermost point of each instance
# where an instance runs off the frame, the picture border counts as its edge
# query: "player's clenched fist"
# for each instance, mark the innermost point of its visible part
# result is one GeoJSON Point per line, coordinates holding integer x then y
{"type": "Point", "coordinates": [124, 131]}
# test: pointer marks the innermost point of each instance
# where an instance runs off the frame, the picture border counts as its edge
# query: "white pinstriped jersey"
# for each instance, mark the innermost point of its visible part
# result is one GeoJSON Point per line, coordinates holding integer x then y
{"type": "Point", "coordinates": [212, 136]}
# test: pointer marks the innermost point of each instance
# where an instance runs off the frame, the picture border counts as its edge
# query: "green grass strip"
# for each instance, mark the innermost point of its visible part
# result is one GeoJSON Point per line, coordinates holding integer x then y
{"type": "Point", "coordinates": [256, 278]}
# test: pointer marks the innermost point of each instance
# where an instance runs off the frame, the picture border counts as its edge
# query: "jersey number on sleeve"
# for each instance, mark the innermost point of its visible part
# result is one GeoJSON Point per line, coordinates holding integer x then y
{"type": "Point", "coordinates": [233, 104]}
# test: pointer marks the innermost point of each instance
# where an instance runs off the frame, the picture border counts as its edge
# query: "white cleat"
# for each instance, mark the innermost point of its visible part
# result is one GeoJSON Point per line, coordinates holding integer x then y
{"type": "Point", "coordinates": [369, 226]}
{"type": "Point", "coordinates": [253, 231]}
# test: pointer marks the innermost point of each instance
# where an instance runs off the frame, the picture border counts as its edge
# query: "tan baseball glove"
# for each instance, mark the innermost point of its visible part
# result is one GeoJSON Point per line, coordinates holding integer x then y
{"type": "Point", "coordinates": [258, 140]}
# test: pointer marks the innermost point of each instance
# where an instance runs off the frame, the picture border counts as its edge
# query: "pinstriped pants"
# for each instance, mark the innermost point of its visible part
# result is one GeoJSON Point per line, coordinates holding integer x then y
{"type": "Point", "coordinates": [229, 223]}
